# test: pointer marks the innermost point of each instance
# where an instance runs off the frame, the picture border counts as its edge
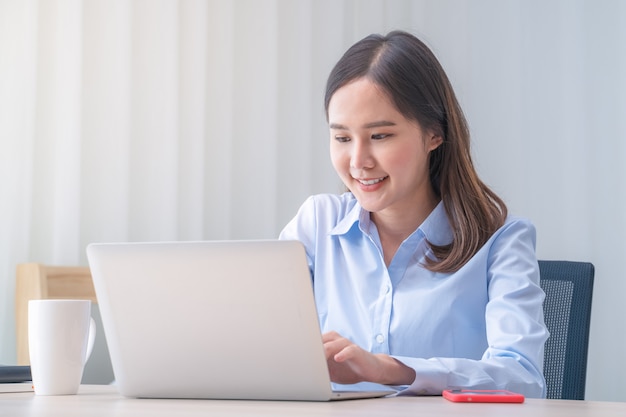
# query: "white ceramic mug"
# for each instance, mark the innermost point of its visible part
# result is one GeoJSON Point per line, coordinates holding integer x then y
{"type": "Point", "coordinates": [60, 339]}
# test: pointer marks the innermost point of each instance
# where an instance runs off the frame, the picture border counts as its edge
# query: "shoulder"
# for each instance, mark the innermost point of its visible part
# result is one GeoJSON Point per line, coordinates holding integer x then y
{"type": "Point", "coordinates": [516, 226]}
{"type": "Point", "coordinates": [514, 243]}
{"type": "Point", "coordinates": [319, 214]}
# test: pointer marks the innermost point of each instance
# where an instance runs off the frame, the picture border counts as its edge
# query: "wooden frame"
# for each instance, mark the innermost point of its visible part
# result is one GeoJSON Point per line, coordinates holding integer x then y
{"type": "Point", "coordinates": [35, 281]}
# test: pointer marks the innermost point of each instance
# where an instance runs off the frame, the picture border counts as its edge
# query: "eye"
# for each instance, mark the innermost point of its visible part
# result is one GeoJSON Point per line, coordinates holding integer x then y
{"type": "Point", "coordinates": [342, 139]}
{"type": "Point", "coordinates": [379, 136]}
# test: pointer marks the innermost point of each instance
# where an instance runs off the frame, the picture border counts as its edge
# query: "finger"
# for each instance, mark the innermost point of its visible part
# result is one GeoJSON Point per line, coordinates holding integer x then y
{"type": "Point", "coordinates": [347, 353]}
{"type": "Point", "coordinates": [332, 347]}
{"type": "Point", "coordinates": [330, 336]}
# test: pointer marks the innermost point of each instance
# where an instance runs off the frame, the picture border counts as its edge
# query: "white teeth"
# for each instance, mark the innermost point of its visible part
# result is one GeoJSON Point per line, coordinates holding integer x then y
{"type": "Point", "coordinates": [371, 182]}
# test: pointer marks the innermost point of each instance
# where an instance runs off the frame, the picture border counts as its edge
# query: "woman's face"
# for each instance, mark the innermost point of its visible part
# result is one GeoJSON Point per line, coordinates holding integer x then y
{"type": "Point", "coordinates": [381, 156]}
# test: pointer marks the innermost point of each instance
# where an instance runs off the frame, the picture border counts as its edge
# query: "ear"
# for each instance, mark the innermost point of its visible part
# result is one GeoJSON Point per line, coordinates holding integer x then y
{"type": "Point", "coordinates": [433, 141]}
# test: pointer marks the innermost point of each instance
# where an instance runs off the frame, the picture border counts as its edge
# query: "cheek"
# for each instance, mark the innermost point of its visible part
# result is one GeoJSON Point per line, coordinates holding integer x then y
{"type": "Point", "coordinates": [400, 158]}
{"type": "Point", "coordinates": [339, 159]}
{"type": "Point", "coordinates": [409, 159]}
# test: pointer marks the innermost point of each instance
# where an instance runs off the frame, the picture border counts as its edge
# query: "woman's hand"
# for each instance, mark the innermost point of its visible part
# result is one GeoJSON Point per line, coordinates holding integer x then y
{"type": "Point", "coordinates": [349, 364]}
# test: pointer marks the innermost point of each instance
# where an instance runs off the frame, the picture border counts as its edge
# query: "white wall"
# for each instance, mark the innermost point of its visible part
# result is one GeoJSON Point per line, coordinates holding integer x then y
{"type": "Point", "coordinates": [152, 120]}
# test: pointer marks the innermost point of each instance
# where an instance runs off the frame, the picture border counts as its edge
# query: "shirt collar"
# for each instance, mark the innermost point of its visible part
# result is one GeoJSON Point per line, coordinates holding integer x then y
{"type": "Point", "coordinates": [436, 228]}
{"type": "Point", "coordinates": [356, 215]}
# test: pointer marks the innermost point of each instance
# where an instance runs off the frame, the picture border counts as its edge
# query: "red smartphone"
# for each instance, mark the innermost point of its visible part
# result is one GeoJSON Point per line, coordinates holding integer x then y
{"type": "Point", "coordinates": [482, 396]}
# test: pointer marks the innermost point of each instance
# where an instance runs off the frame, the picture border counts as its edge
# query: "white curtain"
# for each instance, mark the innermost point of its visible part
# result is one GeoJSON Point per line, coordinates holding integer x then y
{"type": "Point", "coordinates": [179, 120]}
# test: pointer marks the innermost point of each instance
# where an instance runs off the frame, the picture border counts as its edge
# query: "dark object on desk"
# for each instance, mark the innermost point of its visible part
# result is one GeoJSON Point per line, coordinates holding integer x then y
{"type": "Point", "coordinates": [12, 374]}
{"type": "Point", "coordinates": [567, 310]}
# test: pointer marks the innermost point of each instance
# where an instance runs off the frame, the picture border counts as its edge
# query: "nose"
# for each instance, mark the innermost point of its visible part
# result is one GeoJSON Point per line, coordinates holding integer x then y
{"type": "Point", "coordinates": [361, 155]}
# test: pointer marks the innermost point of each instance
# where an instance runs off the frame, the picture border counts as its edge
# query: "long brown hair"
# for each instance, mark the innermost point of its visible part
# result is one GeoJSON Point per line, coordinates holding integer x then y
{"type": "Point", "coordinates": [407, 70]}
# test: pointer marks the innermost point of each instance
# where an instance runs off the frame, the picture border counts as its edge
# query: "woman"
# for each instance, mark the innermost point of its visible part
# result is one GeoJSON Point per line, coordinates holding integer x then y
{"type": "Point", "coordinates": [421, 278]}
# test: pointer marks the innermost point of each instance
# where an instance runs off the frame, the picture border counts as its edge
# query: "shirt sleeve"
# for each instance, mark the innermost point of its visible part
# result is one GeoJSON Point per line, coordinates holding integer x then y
{"type": "Point", "coordinates": [516, 332]}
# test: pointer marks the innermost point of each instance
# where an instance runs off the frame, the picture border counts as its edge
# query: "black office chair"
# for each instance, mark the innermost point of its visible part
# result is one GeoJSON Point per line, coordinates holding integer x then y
{"type": "Point", "coordinates": [567, 310]}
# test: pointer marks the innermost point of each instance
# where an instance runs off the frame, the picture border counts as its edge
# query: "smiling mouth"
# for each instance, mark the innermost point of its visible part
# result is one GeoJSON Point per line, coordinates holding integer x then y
{"type": "Point", "coordinates": [372, 181]}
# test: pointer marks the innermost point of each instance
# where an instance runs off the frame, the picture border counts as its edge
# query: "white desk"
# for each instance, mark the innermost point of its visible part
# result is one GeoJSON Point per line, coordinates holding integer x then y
{"type": "Point", "coordinates": [94, 401]}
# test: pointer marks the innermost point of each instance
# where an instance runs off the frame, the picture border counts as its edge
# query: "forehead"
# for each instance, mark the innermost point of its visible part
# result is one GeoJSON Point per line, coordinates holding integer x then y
{"type": "Point", "coordinates": [361, 101]}
{"type": "Point", "coordinates": [359, 90]}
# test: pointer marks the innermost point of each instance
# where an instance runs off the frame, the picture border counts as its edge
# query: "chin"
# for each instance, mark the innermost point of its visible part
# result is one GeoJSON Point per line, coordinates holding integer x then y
{"type": "Point", "coordinates": [372, 207]}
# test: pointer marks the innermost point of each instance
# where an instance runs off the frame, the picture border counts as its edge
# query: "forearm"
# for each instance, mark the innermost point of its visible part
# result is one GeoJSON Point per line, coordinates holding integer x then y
{"type": "Point", "coordinates": [436, 374]}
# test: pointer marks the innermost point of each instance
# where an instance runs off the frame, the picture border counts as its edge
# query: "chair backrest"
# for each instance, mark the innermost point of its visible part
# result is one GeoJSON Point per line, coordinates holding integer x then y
{"type": "Point", "coordinates": [567, 310]}
{"type": "Point", "coordinates": [35, 281]}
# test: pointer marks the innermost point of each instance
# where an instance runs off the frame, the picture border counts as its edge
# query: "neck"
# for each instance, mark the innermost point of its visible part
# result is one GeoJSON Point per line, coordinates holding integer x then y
{"type": "Point", "coordinates": [394, 226]}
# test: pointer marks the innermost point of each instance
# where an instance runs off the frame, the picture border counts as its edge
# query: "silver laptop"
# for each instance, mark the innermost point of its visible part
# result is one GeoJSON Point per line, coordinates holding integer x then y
{"type": "Point", "coordinates": [217, 319]}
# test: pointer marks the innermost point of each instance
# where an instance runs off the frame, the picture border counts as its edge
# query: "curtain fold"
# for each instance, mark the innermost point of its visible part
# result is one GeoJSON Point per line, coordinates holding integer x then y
{"type": "Point", "coordinates": [193, 96]}
{"type": "Point", "coordinates": [106, 122]}
{"type": "Point", "coordinates": [57, 135]}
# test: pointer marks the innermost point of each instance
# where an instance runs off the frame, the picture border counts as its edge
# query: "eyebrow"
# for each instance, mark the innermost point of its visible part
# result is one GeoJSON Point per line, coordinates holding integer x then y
{"type": "Point", "coordinates": [381, 123]}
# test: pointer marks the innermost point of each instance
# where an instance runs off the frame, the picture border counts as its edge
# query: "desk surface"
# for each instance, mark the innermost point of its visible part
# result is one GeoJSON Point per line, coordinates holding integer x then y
{"type": "Point", "coordinates": [94, 401]}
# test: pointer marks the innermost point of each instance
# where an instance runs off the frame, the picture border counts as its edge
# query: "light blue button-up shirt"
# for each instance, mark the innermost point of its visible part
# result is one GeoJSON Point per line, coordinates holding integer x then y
{"type": "Point", "coordinates": [480, 327]}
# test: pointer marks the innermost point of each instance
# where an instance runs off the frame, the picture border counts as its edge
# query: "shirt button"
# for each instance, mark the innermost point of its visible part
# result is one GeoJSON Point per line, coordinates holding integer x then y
{"type": "Point", "coordinates": [380, 338]}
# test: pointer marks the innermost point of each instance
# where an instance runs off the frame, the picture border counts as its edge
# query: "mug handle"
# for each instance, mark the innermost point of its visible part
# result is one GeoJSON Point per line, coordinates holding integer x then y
{"type": "Point", "coordinates": [90, 341]}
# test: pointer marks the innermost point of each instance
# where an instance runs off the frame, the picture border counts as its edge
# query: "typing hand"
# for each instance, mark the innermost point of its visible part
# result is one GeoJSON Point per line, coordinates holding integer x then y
{"type": "Point", "coordinates": [349, 363]}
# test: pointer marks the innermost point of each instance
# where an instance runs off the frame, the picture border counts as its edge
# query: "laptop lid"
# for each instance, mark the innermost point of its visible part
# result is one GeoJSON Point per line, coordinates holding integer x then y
{"type": "Point", "coordinates": [216, 319]}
